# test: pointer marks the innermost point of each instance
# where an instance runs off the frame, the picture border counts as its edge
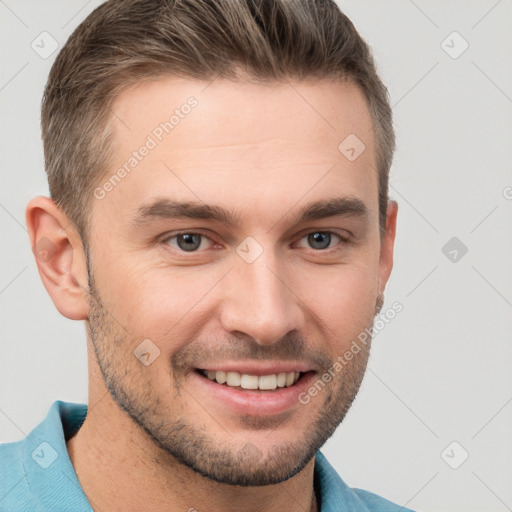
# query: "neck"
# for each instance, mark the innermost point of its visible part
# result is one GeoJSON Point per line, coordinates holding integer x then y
{"type": "Point", "coordinates": [120, 468]}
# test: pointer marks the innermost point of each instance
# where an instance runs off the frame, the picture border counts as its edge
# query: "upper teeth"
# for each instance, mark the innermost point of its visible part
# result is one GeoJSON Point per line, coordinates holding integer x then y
{"type": "Point", "coordinates": [235, 379]}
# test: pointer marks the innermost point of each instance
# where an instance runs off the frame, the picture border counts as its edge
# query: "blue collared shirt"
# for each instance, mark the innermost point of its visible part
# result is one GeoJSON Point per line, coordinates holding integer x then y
{"type": "Point", "coordinates": [36, 473]}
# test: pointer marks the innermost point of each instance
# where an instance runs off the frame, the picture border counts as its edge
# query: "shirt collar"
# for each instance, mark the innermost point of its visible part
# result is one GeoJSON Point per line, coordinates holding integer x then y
{"type": "Point", "coordinates": [50, 474]}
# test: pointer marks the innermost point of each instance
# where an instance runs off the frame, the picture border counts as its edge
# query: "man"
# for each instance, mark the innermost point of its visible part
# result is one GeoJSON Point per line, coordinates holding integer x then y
{"type": "Point", "coordinates": [219, 218]}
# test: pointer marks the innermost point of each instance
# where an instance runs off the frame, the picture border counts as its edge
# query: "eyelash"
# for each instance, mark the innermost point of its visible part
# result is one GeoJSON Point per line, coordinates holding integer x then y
{"type": "Point", "coordinates": [342, 240]}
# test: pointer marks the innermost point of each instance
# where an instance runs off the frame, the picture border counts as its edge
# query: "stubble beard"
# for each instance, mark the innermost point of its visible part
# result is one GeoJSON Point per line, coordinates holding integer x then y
{"type": "Point", "coordinates": [227, 462]}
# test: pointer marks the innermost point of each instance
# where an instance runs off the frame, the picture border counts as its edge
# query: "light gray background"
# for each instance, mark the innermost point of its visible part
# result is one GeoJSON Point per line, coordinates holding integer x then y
{"type": "Point", "coordinates": [441, 370]}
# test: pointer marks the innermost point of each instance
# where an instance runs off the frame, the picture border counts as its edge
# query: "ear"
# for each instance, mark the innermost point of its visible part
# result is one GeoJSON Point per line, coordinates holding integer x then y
{"type": "Point", "coordinates": [387, 245]}
{"type": "Point", "coordinates": [60, 257]}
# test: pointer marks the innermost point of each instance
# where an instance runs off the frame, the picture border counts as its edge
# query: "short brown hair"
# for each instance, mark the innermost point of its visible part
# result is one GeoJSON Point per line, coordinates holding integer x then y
{"type": "Point", "coordinates": [123, 42]}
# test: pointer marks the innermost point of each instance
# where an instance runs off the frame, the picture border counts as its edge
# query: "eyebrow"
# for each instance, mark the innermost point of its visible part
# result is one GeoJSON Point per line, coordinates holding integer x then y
{"type": "Point", "coordinates": [165, 208]}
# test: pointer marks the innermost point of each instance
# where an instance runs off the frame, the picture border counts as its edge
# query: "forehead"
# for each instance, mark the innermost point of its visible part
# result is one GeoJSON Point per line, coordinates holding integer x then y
{"type": "Point", "coordinates": [231, 113]}
{"type": "Point", "coordinates": [240, 143]}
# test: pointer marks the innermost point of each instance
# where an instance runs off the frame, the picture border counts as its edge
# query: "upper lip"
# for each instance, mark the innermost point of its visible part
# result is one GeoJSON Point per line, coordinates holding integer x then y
{"type": "Point", "coordinates": [258, 368]}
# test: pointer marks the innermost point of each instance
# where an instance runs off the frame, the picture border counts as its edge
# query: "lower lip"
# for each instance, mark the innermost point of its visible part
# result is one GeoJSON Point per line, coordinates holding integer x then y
{"type": "Point", "coordinates": [254, 402]}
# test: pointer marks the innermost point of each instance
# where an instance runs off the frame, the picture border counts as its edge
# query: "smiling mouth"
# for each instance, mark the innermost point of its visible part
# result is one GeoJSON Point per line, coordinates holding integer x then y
{"type": "Point", "coordinates": [270, 382]}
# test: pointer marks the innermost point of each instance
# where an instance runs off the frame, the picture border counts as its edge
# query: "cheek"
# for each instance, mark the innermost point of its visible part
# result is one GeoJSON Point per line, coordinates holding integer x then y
{"type": "Point", "coordinates": [340, 284]}
{"type": "Point", "coordinates": [343, 298]}
{"type": "Point", "coordinates": [166, 305]}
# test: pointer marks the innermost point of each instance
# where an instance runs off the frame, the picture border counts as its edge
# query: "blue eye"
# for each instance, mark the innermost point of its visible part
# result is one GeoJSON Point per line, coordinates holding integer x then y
{"type": "Point", "coordinates": [188, 242]}
{"type": "Point", "coordinates": [321, 240]}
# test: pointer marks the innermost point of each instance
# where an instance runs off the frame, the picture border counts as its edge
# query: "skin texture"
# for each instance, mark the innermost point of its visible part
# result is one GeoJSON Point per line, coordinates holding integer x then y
{"type": "Point", "coordinates": [155, 438]}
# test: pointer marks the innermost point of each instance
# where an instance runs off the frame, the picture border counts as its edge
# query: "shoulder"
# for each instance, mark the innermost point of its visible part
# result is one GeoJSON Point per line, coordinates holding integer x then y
{"type": "Point", "coordinates": [36, 473]}
{"type": "Point", "coordinates": [14, 485]}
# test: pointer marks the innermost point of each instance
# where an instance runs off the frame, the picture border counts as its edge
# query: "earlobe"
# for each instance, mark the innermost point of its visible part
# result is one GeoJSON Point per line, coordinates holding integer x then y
{"type": "Point", "coordinates": [60, 257]}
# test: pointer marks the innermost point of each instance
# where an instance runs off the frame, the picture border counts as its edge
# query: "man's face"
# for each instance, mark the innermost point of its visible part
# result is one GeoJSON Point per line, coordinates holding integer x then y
{"type": "Point", "coordinates": [250, 297]}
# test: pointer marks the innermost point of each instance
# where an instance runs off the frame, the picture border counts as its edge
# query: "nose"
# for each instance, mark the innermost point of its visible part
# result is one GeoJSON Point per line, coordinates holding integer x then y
{"type": "Point", "coordinates": [260, 301]}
